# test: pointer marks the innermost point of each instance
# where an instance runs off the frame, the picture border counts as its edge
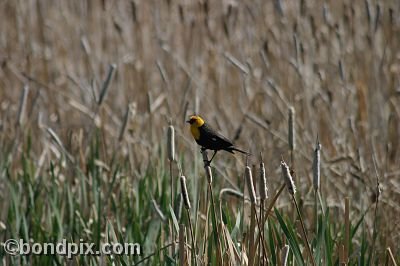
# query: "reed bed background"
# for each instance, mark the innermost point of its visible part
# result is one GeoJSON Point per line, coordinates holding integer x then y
{"type": "Point", "coordinates": [89, 90]}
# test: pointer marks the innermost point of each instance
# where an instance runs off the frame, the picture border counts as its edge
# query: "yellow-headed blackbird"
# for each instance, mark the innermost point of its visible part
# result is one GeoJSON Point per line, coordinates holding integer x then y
{"type": "Point", "coordinates": [208, 138]}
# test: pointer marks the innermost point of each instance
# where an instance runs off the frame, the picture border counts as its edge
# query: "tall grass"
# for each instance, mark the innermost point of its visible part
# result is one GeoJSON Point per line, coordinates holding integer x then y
{"type": "Point", "coordinates": [88, 89]}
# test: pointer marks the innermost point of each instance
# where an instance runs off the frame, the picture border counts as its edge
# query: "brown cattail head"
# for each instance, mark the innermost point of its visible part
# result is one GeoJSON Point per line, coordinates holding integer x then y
{"type": "Point", "coordinates": [250, 186]}
{"type": "Point", "coordinates": [288, 178]}
{"type": "Point", "coordinates": [185, 194]}
{"type": "Point", "coordinates": [171, 143]}
{"type": "Point", "coordinates": [292, 131]}
{"type": "Point", "coordinates": [317, 166]}
{"type": "Point", "coordinates": [263, 182]}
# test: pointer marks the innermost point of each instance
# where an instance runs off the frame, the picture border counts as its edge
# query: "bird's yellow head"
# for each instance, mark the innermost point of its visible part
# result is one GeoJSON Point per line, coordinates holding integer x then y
{"type": "Point", "coordinates": [195, 122]}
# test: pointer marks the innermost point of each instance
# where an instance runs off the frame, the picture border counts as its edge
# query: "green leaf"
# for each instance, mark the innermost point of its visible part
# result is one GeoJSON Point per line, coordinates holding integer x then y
{"type": "Point", "coordinates": [291, 237]}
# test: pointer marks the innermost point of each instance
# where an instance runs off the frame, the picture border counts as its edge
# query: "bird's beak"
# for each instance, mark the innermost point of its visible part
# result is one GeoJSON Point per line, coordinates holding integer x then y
{"type": "Point", "coordinates": [188, 121]}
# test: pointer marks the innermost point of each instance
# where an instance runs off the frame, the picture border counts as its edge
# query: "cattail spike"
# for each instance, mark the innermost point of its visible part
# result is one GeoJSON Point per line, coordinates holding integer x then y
{"type": "Point", "coordinates": [209, 174]}
{"type": "Point", "coordinates": [171, 143]}
{"type": "Point", "coordinates": [288, 178]}
{"type": "Point", "coordinates": [250, 185]}
{"type": "Point", "coordinates": [317, 165]}
{"type": "Point", "coordinates": [263, 181]}
{"type": "Point", "coordinates": [185, 194]}
{"type": "Point", "coordinates": [22, 105]}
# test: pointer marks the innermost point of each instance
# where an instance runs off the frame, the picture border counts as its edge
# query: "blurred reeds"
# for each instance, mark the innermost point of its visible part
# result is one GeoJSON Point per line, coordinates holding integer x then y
{"type": "Point", "coordinates": [88, 88]}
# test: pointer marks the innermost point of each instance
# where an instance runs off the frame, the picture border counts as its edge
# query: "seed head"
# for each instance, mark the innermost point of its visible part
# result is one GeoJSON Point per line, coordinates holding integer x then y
{"type": "Point", "coordinates": [171, 143]}
{"type": "Point", "coordinates": [250, 186]}
{"type": "Point", "coordinates": [288, 178]}
{"type": "Point", "coordinates": [184, 192]}
{"type": "Point", "coordinates": [209, 174]}
{"type": "Point", "coordinates": [263, 182]}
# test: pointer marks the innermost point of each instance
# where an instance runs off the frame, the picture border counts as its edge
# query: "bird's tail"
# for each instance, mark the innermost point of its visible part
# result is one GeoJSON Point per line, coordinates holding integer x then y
{"type": "Point", "coordinates": [239, 150]}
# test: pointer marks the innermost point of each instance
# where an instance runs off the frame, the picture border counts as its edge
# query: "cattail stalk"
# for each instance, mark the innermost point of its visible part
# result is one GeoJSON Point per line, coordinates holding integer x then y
{"type": "Point", "coordinates": [186, 201]}
{"type": "Point", "coordinates": [253, 199]}
{"type": "Point", "coordinates": [207, 168]}
{"type": "Point", "coordinates": [284, 255]}
{"type": "Point", "coordinates": [389, 254]}
{"type": "Point", "coordinates": [263, 196]}
{"type": "Point", "coordinates": [171, 158]}
{"type": "Point", "coordinates": [254, 217]}
{"type": "Point", "coordinates": [317, 166]}
{"type": "Point", "coordinates": [377, 195]}
{"type": "Point", "coordinates": [347, 228]}
{"type": "Point", "coordinates": [182, 252]}
{"type": "Point", "coordinates": [342, 257]}
{"type": "Point", "coordinates": [292, 133]}
{"type": "Point", "coordinates": [292, 190]}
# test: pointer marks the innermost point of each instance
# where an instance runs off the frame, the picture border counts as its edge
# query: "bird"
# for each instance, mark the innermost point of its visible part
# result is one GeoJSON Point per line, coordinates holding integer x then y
{"type": "Point", "coordinates": [209, 139]}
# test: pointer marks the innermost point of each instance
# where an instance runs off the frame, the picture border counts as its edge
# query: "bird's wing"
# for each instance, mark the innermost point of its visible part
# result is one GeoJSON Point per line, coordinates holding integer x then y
{"type": "Point", "coordinates": [216, 137]}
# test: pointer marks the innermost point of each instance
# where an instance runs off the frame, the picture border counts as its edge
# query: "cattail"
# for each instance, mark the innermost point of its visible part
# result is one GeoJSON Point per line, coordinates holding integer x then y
{"type": "Point", "coordinates": [22, 105]}
{"type": "Point", "coordinates": [124, 123]}
{"type": "Point", "coordinates": [377, 17]}
{"type": "Point", "coordinates": [317, 166]}
{"type": "Point", "coordinates": [107, 82]}
{"type": "Point", "coordinates": [185, 194]}
{"type": "Point", "coordinates": [149, 101]}
{"type": "Point", "coordinates": [284, 254]}
{"type": "Point", "coordinates": [263, 182]}
{"type": "Point", "coordinates": [250, 185]}
{"type": "Point", "coordinates": [288, 178]}
{"type": "Point", "coordinates": [209, 174]}
{"type": "Point", "coordinates": [292, 132]}
{"type": "Point", "coordinates": [347, 228]}
{"type": "Point", "coordinates": [368, 11]}
{"type": "Point", "coordinates": [279, 6]}
{"type": "Point", "coordinates": [171, 143]}
{"type": "Point", "coordinates": [341, 70]}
